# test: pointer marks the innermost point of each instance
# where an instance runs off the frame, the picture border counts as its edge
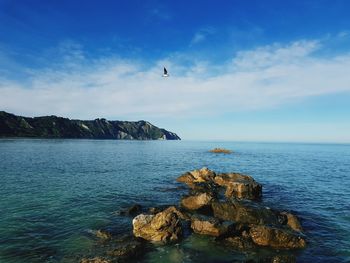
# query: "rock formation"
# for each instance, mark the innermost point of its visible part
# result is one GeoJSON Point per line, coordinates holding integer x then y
{"type": "Point", "coordinates": [226, 207]}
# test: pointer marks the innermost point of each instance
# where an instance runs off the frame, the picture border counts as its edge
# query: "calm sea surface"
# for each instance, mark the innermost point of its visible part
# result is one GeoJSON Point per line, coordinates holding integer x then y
{"type": "Point", "coordinates": [55, 193]}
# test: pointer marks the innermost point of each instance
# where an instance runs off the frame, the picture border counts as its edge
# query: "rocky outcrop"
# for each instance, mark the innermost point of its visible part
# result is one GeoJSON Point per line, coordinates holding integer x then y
{"type": "Point", "coordinates": [236, 185]}
{"type": "Point", "coordinates": [237, 219]}
{"type": "Point", "coordinates": [254, 224]}
{"type": "Point", "coordinates": [220, 150]}
{"type": "Point", "coordinates": [57, 127]}
{"type": "Point", "coordinates": [162, 227]}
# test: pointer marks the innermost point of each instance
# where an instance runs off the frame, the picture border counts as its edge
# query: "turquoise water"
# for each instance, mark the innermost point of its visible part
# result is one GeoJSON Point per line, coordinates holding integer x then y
{"type": "Point", "coordinates": [55, 193]}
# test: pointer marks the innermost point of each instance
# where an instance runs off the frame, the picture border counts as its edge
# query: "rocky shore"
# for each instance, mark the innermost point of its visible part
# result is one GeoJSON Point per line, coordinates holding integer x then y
{"type": "Point", "coordinates": [226, 207]}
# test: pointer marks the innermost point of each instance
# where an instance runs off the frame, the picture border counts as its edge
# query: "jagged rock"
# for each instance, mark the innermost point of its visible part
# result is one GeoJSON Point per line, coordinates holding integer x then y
{"type": "Point", "coordinates": [162, 227]}
{"type": "Point", "coordinates": [209, 226]}
{"type": "Point", "coordinates": [194, 202]}
{"type": "Point", "coordinates": [203, 175]}
{"type": "Point", "coordinates": [239, 185]}
{"type": "Point", "coordinates": [196, 176]}
{"type": "Point", "coordinates": [94, 260]}
{"type": "Point", "coordinates": [293, 222]}
{"type": "Point", "coordinates": [181, 214]}
{"type": "Point", "coordinates": [243, 212]}
{"type": "Point", "coordinates": [276, 238]}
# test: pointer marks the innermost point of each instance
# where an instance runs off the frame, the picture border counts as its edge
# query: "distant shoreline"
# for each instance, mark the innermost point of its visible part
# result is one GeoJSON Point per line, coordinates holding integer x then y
{"type": "Point", "coordinates": [53, 127]}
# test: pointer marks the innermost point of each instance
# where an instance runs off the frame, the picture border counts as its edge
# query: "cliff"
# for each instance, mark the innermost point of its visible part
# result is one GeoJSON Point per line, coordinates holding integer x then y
{"type": "Point", "coordinates": [57, 127]}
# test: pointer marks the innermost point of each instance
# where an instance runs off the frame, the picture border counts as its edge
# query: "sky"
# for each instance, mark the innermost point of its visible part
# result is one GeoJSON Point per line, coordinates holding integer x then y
{"type": "Point", "coordinates": [239, 70]}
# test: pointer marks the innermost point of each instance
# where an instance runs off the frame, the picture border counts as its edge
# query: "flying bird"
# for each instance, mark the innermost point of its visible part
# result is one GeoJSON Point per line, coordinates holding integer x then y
{"type": "Point", "coordinates": [165, 73]}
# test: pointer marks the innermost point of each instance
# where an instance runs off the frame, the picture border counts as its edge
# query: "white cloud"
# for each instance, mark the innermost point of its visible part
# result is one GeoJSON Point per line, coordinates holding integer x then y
{"type": "Point", "coordinates": [201, 35]}
{"type": "Point", "coordinates": [265, 77]}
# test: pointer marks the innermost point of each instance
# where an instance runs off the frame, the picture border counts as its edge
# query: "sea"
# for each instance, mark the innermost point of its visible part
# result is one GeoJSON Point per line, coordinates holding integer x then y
{"type": "Point", "coordinates": [56, 193]}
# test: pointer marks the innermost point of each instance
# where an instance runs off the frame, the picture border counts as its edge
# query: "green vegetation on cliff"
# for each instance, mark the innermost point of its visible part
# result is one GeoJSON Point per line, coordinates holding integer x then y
{"type": "Point", "coordinates": [57, 127]}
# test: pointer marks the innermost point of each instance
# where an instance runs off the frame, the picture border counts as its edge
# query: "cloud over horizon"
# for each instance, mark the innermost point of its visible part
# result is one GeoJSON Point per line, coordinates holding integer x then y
{"type": "Point", "coordinates": [264, 77]}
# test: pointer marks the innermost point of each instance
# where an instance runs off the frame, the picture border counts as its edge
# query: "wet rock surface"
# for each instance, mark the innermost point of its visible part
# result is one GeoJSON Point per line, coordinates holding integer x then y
{"type": "Point", "coordinates": [162, 227]}
{"type": "Point", "coordinates": [276, 237]}
{"type": "Point", "coordinates": [210, 226]}
{"type": "Point", "coordinates": [94, 260]}
{"type": "Point", "coordinates": [195, 202]}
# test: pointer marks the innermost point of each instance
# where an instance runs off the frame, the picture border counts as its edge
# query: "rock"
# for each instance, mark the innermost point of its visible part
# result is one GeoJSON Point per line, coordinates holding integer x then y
{"type": "Point", "coordinates": [103, 234]}
{"type": "Point", "coordinates": [181, 214]}
{"type": "Point", "coordinates": [130, 249]}
{"type": "Point", "coordinates": [293, 222]}
{"type": "Point", "coordinates": [240, 243]}
{"type": "Point", "coordinates": [220, 150]}
{"type": "Point", "coordinates": [163, 227]}
{"type": "Point", "coordinates": [239, 185]}
{"type": "Point", "coordinates": [196, 176]}
{"type": "Point", "coordinates": [194, 202]}
{"type": "Point", "coordinates": [272, 259]}
{"type": "Point", "coordinates": [209, 226]}
{"type": "Point", "coordinates": [132, 210]}
{"type": "Point", "coordinates": [94, 260]}
{"type": "Point", "coordinates": [243, 212]}
{"type": "Point", "coordinates": [187, 179]}
{"type": "Point", "coordinates": [203, 175]}
{"type": "Point", "coordinates": [276, 238]}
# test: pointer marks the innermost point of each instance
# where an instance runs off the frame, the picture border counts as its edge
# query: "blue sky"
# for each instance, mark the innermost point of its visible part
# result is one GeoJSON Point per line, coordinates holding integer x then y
{"type": "Point", "coordinates": [240, 70]}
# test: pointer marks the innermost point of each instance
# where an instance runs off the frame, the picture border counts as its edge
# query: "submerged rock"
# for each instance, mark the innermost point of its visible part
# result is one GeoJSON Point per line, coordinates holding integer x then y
{"type": "Point", "coordinates": [103, 234]}
{"type": "Point", "coordinates": [209, 226]}
{"type": "Point", "coordinates": [163, 227]}
{"type": "Point", "coordinates": [273, 259]}
{"type": "Point", "coordinates": [128, 250]}
{"type": "Point", "coordinates": [276, 238]}
{"type": "Point", "coordinates": [293, 222]}
{"type": "Point", "coordinates": [240, 243]}
{"type": "Point", "coordinates": [132, 210]}
{"type": "Point", "coordinates": [94, 260]}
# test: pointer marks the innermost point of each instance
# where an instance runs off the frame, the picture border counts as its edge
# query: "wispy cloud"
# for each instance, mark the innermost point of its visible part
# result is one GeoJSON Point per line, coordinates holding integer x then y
{"type": "Point", "coordinates": [255, 79]}
{"type": "Point", "coordinates": [201, 35]}
{"type": "Point", "coordinates": [344, 34]}
{"type": "Point", "coordinates": [161, 14]}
